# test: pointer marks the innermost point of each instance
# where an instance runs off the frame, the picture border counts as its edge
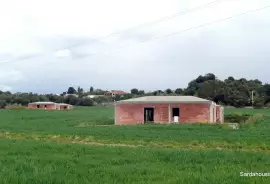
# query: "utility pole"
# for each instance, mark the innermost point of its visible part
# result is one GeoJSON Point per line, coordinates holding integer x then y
{"type": "Point", "coordinates": [252, 97]}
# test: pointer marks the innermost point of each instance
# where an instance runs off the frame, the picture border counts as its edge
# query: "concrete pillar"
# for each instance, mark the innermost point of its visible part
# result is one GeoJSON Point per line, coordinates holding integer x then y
{"type": "Point", "coordinates": [115, 115]}
{"type": "Point", "coordinates": [215, 112]}
{"type": "Point", "coordinates": [211, 113]}
{"type": "Point", "coordinates": [221, 114]}
{"type": "Point", "coordinates": [170, 115]}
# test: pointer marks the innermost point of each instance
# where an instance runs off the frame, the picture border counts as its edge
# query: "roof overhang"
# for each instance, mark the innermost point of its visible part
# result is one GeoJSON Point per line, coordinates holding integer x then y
{"type": "Point", "coordinates": [162, 102]}
{"type": "Point", "coordinates": [40, 103]}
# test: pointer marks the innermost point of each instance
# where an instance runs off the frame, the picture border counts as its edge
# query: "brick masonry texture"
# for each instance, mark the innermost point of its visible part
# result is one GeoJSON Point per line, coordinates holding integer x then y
{"type": "Point", "coordinates": [49, 106]}
{"type": "Point", "coordinates": [134, 113]}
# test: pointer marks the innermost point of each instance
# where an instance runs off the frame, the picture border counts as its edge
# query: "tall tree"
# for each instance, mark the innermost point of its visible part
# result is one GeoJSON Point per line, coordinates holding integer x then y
{"type": "Point", "coordinates": [141, 92]}
{"type": "Point", "coordinates": [71, 90]}
{"type": "Point", "coordinates": [179, 91]}
{"type": "Point", "coordinates": [80, 90]}
{"type": "Point", "coordinates": [168, 91]}
{"type": "Point", "coordinates": [91, 89]}
{"type": "Point", "coordinates": [134, 91]}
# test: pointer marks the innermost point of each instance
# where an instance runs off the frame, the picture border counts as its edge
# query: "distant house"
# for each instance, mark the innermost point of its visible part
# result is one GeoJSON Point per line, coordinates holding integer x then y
{"type": "Point", "coordinates": [49, 106]}
{"type": "Point", "coordinates": [63, 106]}
{"type": "Point", "coordinates": [93, 96]}
{"type": "Point", "coordinates": [113, 93]}
{"type": "Point", "coordinates": [66, 95]}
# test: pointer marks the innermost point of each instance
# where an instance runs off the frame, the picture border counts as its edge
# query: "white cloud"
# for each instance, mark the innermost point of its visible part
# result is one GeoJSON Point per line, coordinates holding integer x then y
{"type": "Point", "coordinates": [5, 88]}
{"type": "Point", "coordinates": [235, 47]}
{"type": "Point", "coordinates": [62, 53]}
{"type": "Point", "coordinates": [10, 76]}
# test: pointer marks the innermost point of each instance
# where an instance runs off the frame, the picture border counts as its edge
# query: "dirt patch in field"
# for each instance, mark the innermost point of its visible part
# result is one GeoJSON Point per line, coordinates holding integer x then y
{"type": "Point", "coordinates": [91, 141]}
{"type": "Point", "coordinates": [89, 124]}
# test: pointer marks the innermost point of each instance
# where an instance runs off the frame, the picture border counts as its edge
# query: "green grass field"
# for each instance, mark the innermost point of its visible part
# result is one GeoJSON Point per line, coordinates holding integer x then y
{"type": "Point", "coordinates": [74, 147]}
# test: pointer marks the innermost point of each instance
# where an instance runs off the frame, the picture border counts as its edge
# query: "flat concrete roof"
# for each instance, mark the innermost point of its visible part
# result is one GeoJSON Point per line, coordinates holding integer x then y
{"type": "Point", "coordinates": [43, 103]}
{"type": "Point", "coordinates": [49, 103]}
{"type": "Point", "coordinates": [63, 104]}
{"type": "Point", "coordinates": [165, 100]}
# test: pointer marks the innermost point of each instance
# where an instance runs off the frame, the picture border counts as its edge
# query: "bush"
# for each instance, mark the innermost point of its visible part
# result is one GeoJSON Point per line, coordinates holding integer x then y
{"type": "Point", "coordinates": [85, 102]}
{"type": "Point", "coordinates": [236, 118]}
{"type": "Point", "coordinates": [3, 104]}
{"type": "Point", "coordinates": [259, 105]}
{"type": "Point", "coordinates": [15, 107]}
{"type": "Point", "coordinates": [254, 119]}
{"type": "Point", "coordinates": [267, 105]}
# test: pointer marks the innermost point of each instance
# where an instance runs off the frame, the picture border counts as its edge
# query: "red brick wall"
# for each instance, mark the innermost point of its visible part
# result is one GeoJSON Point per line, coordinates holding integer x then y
{"type": "Point", "coordinates": [134, 113]}
{"type": "Point", "coordinates": [194, 112]}
{"type": "Point", "coordinates": [31, 106]}
{"type": "Point", "coordinates": [218, 113]}
{"type": "Point", "coordinates": [215, 113]}
{"type": "Point", "coordinates": [222, 115]}
{"type": "Point", "coordinates": [64, 107]}
{"type": "Point", "coordinates": [42, 106]}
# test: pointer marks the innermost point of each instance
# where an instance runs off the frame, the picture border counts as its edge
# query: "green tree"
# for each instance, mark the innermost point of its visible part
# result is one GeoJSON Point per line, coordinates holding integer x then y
{"type": "Point", "coordinates": [168, 91]}
{"type": "Point", "coordinates": [91, 89]}
{"type": "Point", "coordinates": [179, 91]}
{"type": "Point", "coordinates": [72, 100]}
{"type": "Point", "coordinates": [71, 90]}
{"type": "Point", "coordinates": [3, 104]}
{"type": "Point", "coordinates": [210, 76]}
{"type": "Point", "coordinates": [117, 98]}
{"type": "Point", "coordinates": [126, 96]}
{"type": "Point", "coordinates": [141, 92]}
{"type": "Point", "coordinates": [134, 91]}
{"type": "Point", "coordinates": [85, 102]}
{"type": "Point", "coordinates": [80, 90]}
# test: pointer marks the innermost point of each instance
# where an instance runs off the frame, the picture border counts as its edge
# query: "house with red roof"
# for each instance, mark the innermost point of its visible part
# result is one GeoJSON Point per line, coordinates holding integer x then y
{"type": "Point", "coordinates": [113, 93]}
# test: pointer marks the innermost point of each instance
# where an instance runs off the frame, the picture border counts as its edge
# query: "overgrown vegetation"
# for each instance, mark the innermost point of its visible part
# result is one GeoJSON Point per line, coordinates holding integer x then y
{"type": "Point", "coordinates": [243, 118]}
{"type": "Point", "coordinates": [236, 118]}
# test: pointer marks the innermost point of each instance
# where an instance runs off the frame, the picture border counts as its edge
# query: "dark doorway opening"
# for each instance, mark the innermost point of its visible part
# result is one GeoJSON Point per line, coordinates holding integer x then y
{"type": "Point", "coordinates": [149, 114]}
{"type": "Point", "coordinates": [38, 106]}
{"type": "Point", "coordinates": [175, 112]}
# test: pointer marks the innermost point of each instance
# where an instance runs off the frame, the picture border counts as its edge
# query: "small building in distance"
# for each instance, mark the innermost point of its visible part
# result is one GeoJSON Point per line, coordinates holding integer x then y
{"type": "Point", "coordinates": [93, 96]}
{"type": "Point", "coordinates": [49, 106]}
{"type": "Point", "coordinates": [113, 93]}
{"type": "Point", "coordinates": [67, 95]}
{"type": "Point", "coordinates": [167, 109]}
{"type": "Point", "coordinates": [63, 106]}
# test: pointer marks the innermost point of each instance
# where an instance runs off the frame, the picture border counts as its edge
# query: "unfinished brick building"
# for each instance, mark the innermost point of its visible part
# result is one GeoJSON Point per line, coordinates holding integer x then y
{"type": "Point", "coordinates": [167, 109]}
{"type": "Point", "coordinates": [49, 106]}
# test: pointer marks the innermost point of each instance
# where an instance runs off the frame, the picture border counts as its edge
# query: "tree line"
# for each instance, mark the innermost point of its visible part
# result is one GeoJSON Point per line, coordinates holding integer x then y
{"type": "Point", "coordinates": [230, 92]}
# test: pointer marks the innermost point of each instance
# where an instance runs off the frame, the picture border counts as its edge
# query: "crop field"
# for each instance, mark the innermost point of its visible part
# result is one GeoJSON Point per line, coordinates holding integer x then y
{"type": "Point", "coordinates": [83, 146]}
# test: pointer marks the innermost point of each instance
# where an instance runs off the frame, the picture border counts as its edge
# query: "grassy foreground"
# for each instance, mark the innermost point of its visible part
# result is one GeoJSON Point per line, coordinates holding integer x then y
{"type": "Point", "coordinates": [65, 147]}
{"type": "Point", "coordinates": [37, 162]}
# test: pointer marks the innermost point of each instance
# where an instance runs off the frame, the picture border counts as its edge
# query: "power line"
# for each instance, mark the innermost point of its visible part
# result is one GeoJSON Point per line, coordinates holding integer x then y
{"type": "Point", "coordinates": [185, 30]}
{"type": "Point", "coordinates": [128, 29]}
{"type": "Point", "coordinates": [152, 22]}
{"type": "Point", "coordinates": [188, 29]}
